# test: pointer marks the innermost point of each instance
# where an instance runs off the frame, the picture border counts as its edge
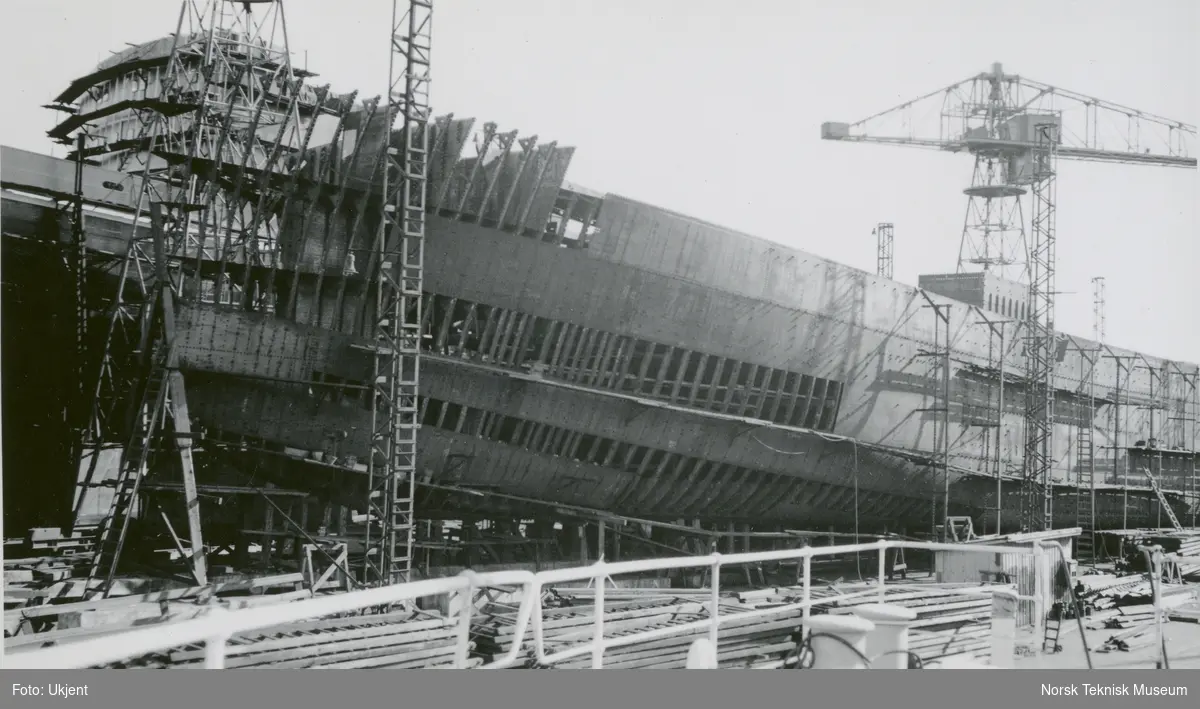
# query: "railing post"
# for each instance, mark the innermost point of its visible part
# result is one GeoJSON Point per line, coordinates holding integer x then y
{"type": "Point", "coordinates": [1039, 592]}
{"type": "Point", "coordinates": [463, 641]}
{"type": "Point", "coordinates": [1156, 559]}
{"type": "Point", "coordinates": [714, 608]}
{"type": "Point", "coordinates": [883, 547]}
{"type": "Point", "coordinates": [702, 655]}
{"type": "Point", "coordinates": [598, 621]}
{"type": "Point", "coordinates": [1004, 627]}
{"type": "Point", "coordinates": [535, 619]}
{"type": "Point", "coordinates": [807, 568]}
{"type": "Point", "coordinates": [214, 646]}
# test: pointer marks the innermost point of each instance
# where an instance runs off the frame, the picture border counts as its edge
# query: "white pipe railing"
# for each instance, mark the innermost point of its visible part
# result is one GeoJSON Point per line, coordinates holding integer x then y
{"type": "Point", "coordinates": [216, 627]}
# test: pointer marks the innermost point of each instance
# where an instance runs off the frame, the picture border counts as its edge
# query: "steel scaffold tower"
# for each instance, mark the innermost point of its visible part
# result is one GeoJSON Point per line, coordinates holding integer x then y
{"type": "Point", "coordinates": [1120, 459]}
{"type": "Point", "coordinates": [1183, 418]}
{"type": "Point", "coordinates": [1193, 419]}
{"type": "Point", "coordinates": [940, 353]}
{"type": "Point", "coordinates": [1085, 457]}
{"type": "Point", "coordinates": [202, 116]}
{"type": "Point", "coordinates": [996, 407]}
{"type": "Point", "coordinates": [399, 256]}
{"type": "Point", "coordinates": [1157, 397]}
{"type": "Point", "coordinates": [884, 249]}
{"type": "Point", "coordinates": [1037, 489]}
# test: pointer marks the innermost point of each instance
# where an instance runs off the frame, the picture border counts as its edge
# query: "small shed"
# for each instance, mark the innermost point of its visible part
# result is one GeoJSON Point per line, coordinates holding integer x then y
{"type": "Point", "coordinates": [1016, 569]}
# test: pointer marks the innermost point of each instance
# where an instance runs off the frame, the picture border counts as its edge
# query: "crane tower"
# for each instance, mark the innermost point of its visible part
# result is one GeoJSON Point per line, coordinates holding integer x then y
{"type": "Point", "coordinates": [1017, 130]}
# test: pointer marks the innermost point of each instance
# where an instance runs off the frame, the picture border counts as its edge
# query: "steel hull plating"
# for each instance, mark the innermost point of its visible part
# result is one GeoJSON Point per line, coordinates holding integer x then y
{"type": "Point", "coordinates": [670, 369]}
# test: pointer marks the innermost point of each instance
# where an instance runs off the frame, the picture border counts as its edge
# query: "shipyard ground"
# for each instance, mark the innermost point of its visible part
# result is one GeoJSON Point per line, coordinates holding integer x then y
{"type": "Point", "coordinates": [1183, 651]}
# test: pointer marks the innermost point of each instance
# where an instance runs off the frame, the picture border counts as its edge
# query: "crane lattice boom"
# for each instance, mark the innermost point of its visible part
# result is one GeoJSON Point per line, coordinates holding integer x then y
{"type": "Point", "coordinates": [997, 111]}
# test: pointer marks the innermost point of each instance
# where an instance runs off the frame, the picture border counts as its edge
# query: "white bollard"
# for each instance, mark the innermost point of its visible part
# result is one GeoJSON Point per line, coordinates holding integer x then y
{"type": "Point", "coordinates": [1004, 627]}
{"type": "Point", "coordinates": [887, 643]}
{"type": "Point", "coordinates": [828, 653]}
{"type": "Point", "coordinates": [702, 655]}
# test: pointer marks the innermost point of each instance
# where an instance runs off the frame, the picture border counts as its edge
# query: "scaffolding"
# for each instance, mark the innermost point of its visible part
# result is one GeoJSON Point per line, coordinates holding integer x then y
{"type": "Point", "coordinates": [1156, 404]}
{"type": "Point", "coordinates": [995, 419]}
{"type": "Point", "coordinates": [399, 262]}
{"type": "Point", "coordinates": [1085, 455]}
{"type": "Point", "coordinates": [1193, 419]}
{"type": "Point", "coordinates": [1037, 497]}
{"type": "Point", "coordinates": [1183, 417]}
{"type": "Point", "coordinates": [940, 353]}
{"type": "Point", "coordinates": [1098, 317]}
{"type": "Point", "coordinates": [1120, 463]}
{"type": "Point", "coordinates": [222, 106]}
{"type": "Point", "coordinates": [884, 249]}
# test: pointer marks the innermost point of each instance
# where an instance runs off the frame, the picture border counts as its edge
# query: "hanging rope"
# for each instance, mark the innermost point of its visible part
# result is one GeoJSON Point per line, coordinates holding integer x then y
{"type": "Point", "coordinates": [854, 471]}
{"type": "Point", "coordinates": [803, 656]}
{"type": "Point", "coordinates": [773, 449]}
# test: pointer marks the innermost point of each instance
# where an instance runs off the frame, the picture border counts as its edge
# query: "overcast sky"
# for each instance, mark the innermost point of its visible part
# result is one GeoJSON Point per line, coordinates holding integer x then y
{"type": "Point", "coordinates": [714, 109]}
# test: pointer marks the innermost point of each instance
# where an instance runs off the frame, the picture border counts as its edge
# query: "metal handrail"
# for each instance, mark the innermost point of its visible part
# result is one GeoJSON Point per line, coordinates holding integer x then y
{"type": "Point", "coordinates": [216, 627]}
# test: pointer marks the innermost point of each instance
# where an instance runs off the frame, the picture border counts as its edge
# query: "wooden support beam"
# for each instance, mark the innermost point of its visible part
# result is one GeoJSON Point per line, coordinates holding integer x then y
{"type": "Point", "coordinates": [191, 497]}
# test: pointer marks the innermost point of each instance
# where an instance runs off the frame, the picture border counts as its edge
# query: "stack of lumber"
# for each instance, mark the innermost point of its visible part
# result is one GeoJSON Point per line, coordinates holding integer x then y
{"type": "Point", "coordinates": [565, 596]}
{"type": "Point", "coordinates": [1123, 617]}
{"type": "Point", "coordinates": [787, 595]}
{"type": "Point", "coordinates": [1108, 592]}
{"type": "Point", "coordinates": [1134, 638]}
{"type": "Point", "coordinates": [395, 640]}
{"type": "Point", "coordinates": [1126, 604]}
{"type": "Point", "coordinates": [1185, 545]}
{"type": "Point", "coordinates": [948, 624]}
{"type": "Point", "coordinates": [745, 642]}
{"type": "Point", "coordinates": [57, 612]}
{"type": "Point", "coordinates": [1187, 613]}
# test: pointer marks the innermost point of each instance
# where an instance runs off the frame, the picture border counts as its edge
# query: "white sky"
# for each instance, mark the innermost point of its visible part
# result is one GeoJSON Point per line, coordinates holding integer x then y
{"type": "Point", "coordinates": [714, 109]}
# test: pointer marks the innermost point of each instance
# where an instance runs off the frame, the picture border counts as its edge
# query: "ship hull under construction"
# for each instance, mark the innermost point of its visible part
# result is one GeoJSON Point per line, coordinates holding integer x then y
{"type": "Point", "coordinates": [593, 351]}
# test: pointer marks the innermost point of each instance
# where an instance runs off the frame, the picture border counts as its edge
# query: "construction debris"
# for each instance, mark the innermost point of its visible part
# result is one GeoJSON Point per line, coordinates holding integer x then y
{"type": "Point", "coordinates": [948, 624]}
{"type": "Point", "coordinates": [398, 640]}
{"type": "Point", "coordinates": [46, 614]}
{"type": "Point", "coordinates": [1126, 603]}
{"type": "Point", "coordinates": [1181, 547]}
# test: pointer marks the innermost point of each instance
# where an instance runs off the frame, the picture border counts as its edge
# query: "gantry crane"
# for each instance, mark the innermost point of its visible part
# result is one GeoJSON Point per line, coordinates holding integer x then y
{"type": "Point", "coordinates": [1017, 129]}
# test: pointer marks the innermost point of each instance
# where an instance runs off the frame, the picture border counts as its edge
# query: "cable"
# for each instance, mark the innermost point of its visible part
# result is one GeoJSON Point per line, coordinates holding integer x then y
{"type": "Point", "coordinates": [773, 449]}
{"type": "Point", "coordinates": [805, 656]}
{"type": "Point", "coordinates": [914, 660]}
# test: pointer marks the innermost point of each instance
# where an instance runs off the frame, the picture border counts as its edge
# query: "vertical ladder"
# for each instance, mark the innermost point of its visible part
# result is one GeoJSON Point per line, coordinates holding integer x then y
{"type": "Point", "coordinates": [400, 258]}
{"type": "Point", "coordinates": [1085, 492]}
{"type": "Point", "coordinates": [110, 533]}
{"type": "Point", "coordinates": [1162, 500]}
{"type": "Point", "coordinates": [1068, 601]}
